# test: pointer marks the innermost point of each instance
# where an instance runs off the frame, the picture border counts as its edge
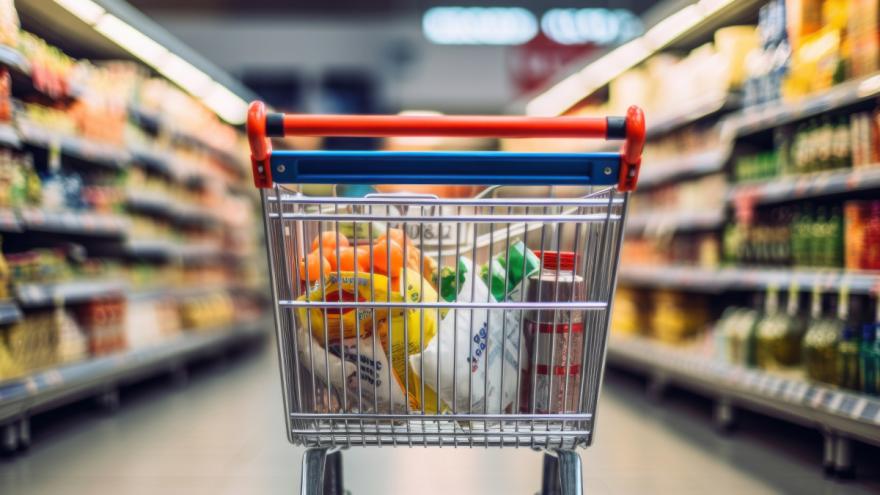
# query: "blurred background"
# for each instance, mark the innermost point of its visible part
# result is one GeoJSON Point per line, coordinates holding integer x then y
{"type": "Point", "coordinates": [745, 355]}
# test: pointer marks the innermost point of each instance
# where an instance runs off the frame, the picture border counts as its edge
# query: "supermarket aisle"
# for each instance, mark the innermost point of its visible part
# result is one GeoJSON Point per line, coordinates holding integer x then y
{"type": "Point", "coordinates": [222, 435]}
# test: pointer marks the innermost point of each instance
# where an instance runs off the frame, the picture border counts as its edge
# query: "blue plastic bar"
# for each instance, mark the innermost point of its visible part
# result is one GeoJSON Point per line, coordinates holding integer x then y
{"type": "Point", "coordinates": [484, 168]}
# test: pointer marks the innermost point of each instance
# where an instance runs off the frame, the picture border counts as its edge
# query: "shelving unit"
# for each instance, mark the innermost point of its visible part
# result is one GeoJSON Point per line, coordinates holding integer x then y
{"type": "Point", "coordinates": [24, 397]}
{"type": "Point", "coordinates": [794, 188]}
{"type": "Point", "coordinates": [839, 414]}
{"type": "Point", "coordinates": [189, 167]}
{"type": "Point", "coordinates": [748, 279]}
{"type": "Point", "coordinates": [662, 222]}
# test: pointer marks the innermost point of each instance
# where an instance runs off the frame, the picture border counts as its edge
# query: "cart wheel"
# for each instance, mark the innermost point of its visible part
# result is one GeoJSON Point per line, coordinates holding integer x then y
{"type": "Point", "coordinates": [562, 473]}
{"type": "Point", "coordinates": [322, 472]}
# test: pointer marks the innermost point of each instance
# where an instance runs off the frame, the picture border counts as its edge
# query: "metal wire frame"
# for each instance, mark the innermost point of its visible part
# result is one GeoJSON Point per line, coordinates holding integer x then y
{"type": "Point", "coordinates": [323, 411]}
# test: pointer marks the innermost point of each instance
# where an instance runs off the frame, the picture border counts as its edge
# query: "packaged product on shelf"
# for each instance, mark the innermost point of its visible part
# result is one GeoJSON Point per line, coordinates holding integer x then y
{"type": "Point", "coordinates": [72, 343]}
{"type": "Point", "coordinates": [869, 359]}
{"type": "Point", "coordinates": [553, 338]}
{"type": "Point", "coordinates": [33, 341]}
{"type": "Point", "coordinates": [678, 316]}
{"type": "Point", "coordinates": [869, 354]}
{"type": "Point", "coordinates": [629, 316]}
{"type": "Point", "coordinates": [820, 351]}
{"type": "Point", "coordinates": [103, 321]}
{"type": "Point", "coordinates": [852, 310]}
{"type": "Point", "coordinates": [779, 334]}
{"type": "Point", "coordinates": [738, 328]}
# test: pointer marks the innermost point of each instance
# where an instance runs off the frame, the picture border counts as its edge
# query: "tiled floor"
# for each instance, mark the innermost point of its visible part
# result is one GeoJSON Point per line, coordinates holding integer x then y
{"type": "Point", "coordinates": [223, 434]}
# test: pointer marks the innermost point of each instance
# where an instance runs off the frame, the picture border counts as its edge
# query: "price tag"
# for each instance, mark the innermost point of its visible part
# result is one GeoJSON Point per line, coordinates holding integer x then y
{"type": "Point", "coordinates": [843, 404]}
{"type": "Point", "coordinates": [861, 404]}
{"type": "Point", "coordinates": [871, 411]}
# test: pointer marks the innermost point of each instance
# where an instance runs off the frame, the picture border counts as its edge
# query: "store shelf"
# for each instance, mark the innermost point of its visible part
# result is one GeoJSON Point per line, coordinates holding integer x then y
{"type": "Point", "coordinates": [9, 312]}
{"type": "Point", "coordinates": [84, 149]}
{"type": "Point", "coordinates": [661, 172]}
{"type": "Point", "coordinates": [773, 114]}
{"type": "Point", "coordinates": [745, 278]}
{"type": "Point", "coordinates": [152, 159]}
{"type": "Point", "coordinates": [791, 398]}
{"type": "Point", "coordinates": [150, 248]}
{"type": "Point", "coordinates": [663, 222]}
{"type": "Point", "coordinates": [14, 59]}
{"type": "Point", "coordinates": [37, 295]}
{"type": "Point", "coordinates": [791, 188]}
{"type": "Point", "coordinates": [74, 222]}
{"type": "Point", "coordinates": [701, 108]}
{"type": "Point", "coordinates": [9, 136]}
{"type": "Point", "coordinates": [50, 388]}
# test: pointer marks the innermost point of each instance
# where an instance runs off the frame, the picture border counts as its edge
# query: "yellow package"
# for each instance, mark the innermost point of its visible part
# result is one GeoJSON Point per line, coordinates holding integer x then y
{"type": "Point", "coordinates": [353, 321]}
{"type": "Point", "coordinates": [410, 332]}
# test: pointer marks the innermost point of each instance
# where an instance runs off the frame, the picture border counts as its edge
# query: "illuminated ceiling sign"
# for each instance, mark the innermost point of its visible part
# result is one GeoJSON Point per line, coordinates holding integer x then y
{"type": "Point", "coordinates": [517, 26]}
{"type": "Point", "coordinates": [591, 26]}
{"type": "Point", "coordinates": [479, 25]}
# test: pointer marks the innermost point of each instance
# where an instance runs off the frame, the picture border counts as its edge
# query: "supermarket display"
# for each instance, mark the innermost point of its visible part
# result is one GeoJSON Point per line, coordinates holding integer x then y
{"type": "Point", "coordinates": [125, 229]}
{"type": "Point", "coordinates": [750, 264]}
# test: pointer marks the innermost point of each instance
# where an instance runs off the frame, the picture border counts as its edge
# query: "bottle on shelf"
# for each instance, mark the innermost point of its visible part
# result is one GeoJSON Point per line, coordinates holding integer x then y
{"type": "Point", "coordinates": [820, 342]}
{"type": "Point", "coordinates": [739, 335]}
{"type": "Point", "coordinates": [780, 333]}
{"type": "Point", "coordinates": [869, 354]}
{"type": "Point", "coordinates": [848, 373]}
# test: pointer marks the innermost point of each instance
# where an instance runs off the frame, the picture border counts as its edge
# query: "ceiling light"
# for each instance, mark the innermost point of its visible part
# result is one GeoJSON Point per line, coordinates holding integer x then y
{"type": "Point", "coordinates": [87, 10]}
{"type": "Point", "coordinates": [590, 26]}
{"type": "Point", "coordinates": [130, 39]}
{"type": "Point", "coordinates": [479, 25]}
{"type": "Point", "coordinates": [185, 75]}
{"type": "Point", "coordinates": [228, 105]}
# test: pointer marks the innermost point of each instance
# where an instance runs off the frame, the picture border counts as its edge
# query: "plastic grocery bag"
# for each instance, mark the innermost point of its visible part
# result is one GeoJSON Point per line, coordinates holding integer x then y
{"type": "Point", "coordinates": [367, 383]}
{"type": "Point", "coordinates": [476, 350]}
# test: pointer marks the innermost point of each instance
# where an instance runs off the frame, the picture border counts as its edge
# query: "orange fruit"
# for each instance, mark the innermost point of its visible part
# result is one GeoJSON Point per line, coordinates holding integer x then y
{"type": "Point", "coordinates": [315, 265]}
{"type": "Point", "coordinates": [398, 236]}
{"type": "Point", "coordinates": [329, 241]}
{"type": "Point", "coordinates": [348, 258]}
{"type": "Point", "coordinates": [384, 250]}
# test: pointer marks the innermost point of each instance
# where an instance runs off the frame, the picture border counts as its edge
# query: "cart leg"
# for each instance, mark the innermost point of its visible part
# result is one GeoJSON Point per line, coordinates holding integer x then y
{"type": "Point", "coordinates": [562, 473]}
{"type": "Point", "coordinates": [570, 472]}
{"type": "Point", "coordinates": [550, 475]}
{"type": "Point", "coordinates": [321, 472]}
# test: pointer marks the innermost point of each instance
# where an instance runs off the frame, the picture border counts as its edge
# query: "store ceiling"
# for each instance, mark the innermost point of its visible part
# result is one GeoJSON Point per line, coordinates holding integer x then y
{"type": "Point", "coordinates": [360, 7]}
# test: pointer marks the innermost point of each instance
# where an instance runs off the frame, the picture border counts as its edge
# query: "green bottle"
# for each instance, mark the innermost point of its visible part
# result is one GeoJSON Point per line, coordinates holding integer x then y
{"type": "Point", "coordinates": [820, 343]}
{"type": "Point", "coordinates": [832, 237]}
{"type": "Point", "coordinates": [869, 353]}
{"type": "Point", "coordinates": [779, 336]}
{"type": "Point", "coordinates": [848, 374]}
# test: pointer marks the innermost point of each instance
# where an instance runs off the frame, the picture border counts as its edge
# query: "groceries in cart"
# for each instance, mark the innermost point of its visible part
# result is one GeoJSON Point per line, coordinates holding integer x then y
{"type": "Point", "coordinates": [468, 356]}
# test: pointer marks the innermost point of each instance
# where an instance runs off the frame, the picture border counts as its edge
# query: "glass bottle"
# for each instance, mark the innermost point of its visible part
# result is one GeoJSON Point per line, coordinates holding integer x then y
{"type": "Point", "coordinates": [832, 237]}
{"type": "Point", "coordinates": [820, 343]}
{"type": "Point", "coordinates": [868, 358]}
{"type": "Point", "coordinates": [740, 347]}
{"type": "Point", "coordinates": [848, 373]}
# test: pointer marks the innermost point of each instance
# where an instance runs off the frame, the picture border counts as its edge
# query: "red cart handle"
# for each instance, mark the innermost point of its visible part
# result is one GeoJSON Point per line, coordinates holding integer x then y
{"type": "Point", "coordinates": [262, 125]}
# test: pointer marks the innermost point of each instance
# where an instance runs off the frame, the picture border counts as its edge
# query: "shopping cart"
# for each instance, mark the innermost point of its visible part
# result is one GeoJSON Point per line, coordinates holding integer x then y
{"type": "Point", "coordinates": [443, 322]}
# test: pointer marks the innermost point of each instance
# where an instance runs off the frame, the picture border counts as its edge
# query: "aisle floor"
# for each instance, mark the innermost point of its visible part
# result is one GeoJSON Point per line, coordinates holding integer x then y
{"type": "Point", "coordinates": [222, 434]}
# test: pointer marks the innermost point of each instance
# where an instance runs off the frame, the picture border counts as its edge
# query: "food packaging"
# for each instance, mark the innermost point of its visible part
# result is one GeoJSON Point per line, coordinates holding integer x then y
{"type": "Point", "coordinates": [351, 321]}
{"type": "Point", "coordinates": [476, 350]}
{"type": "Point", "coordinates": [369, 381]}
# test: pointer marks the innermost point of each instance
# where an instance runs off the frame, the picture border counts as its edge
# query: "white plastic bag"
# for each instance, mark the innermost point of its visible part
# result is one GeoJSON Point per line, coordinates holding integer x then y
{"type": "Point", "coordinates": [344, 376]}
{"type": "Point", "coordinates": [475, 359]}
